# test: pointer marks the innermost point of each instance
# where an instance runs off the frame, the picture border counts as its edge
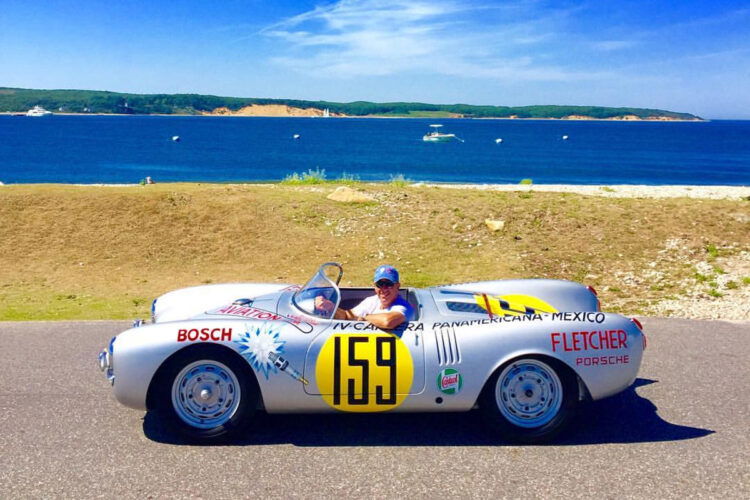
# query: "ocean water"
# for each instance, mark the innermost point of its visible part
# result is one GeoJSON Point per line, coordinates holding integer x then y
{"type": "Point", "coordinates": [126, 149]}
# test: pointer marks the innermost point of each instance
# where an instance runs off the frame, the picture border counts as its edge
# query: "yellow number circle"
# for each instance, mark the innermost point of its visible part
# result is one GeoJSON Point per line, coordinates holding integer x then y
{"type": "Point", "coordinates": [364, 372]}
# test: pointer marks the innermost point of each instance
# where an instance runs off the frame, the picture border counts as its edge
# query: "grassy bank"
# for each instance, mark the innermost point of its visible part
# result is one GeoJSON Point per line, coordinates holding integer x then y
{"type": "Point", "coordinates": [92, 252]}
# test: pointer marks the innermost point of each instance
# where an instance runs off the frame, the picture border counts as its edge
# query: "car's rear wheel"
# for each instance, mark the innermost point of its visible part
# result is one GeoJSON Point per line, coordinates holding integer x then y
{"type": "Point", "coordinates": [530, 399]}
{"type": "Point", "coordinates": [207, 395]}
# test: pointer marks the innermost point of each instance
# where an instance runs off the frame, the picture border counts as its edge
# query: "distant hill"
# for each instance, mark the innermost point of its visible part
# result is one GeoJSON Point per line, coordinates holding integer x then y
{"type": "Point", "coordinates": [14, 100]}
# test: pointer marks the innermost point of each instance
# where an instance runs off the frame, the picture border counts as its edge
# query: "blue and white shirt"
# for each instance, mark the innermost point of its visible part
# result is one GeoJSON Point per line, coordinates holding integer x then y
{"type": "Point", "coordinates": [371, 305]}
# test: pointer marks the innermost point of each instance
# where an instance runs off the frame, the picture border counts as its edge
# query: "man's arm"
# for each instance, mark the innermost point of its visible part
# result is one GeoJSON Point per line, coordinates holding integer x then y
{"type": "Point", "coordinates": [324, 304]}
{"type": "Point", "coordinates": [386, 320]}
{"type": "Point", "coordinates": [344, 314]}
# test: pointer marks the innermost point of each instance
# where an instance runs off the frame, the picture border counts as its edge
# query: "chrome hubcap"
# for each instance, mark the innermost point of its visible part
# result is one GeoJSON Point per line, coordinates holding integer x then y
{"type": "Point", "coordinates": [205, 394]}
{"type": "Point", "coordinates": [528, 393]}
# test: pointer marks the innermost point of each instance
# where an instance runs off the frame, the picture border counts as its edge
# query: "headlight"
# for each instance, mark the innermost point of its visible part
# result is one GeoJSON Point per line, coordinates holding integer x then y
{"type": "Point", "coordinates": [106, 361]}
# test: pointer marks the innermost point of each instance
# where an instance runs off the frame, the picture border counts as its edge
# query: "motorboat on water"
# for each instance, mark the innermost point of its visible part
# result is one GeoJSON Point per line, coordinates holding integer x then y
{"type": "Point", "coordinates": [38, 111]}
{"type": "Point", "coordinates": [436, 136]}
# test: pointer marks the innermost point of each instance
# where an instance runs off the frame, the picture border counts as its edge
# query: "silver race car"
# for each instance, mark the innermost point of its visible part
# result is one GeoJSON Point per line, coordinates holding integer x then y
{"type": "Point", "coordinates": [525, 352]}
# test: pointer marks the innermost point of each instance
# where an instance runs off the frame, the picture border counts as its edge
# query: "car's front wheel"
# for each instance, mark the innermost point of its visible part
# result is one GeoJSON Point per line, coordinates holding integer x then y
{"type": "Point", "coordinates": [207, 395]}
{"type": "Point", "coordinates": [530, 399]}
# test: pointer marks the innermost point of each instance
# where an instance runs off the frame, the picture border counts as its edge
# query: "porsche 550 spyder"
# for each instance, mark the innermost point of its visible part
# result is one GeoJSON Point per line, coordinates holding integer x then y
{"type": "Point", "coordinates": [525, 352]}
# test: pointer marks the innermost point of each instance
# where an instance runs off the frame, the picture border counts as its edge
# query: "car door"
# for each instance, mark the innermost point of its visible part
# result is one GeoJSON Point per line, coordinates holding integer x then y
{"type": "Point", "coordinates": [356, 367]}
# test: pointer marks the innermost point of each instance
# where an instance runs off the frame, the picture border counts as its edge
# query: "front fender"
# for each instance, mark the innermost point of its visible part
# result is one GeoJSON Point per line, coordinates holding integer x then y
{"type": "Point", "coordinates": [139, 352]}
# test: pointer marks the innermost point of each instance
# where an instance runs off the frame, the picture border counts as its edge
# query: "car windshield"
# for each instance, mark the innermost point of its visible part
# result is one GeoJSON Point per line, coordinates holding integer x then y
{"type": "Point", "coordinates": [323, 284]}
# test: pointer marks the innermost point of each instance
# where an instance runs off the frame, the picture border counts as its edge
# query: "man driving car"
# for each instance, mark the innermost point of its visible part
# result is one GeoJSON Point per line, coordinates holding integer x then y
{"type": "Point", "coordinates": [386, 309]}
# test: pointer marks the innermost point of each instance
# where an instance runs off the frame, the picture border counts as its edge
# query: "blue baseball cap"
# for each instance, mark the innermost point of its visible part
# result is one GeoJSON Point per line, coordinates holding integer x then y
{"type": "Point", "coordinates": [386, 273]}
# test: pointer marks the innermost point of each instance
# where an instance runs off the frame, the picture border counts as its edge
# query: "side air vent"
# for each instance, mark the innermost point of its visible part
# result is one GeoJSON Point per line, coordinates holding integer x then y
{"type": "Point", "coordinates": [446, 344]}
{"type": "Point", "coordinates": [465, 307]}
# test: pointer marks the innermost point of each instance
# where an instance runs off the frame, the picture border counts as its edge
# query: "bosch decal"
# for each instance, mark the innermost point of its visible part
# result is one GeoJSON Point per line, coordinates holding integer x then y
{"type": "Point", "coordinates": [204, 334]}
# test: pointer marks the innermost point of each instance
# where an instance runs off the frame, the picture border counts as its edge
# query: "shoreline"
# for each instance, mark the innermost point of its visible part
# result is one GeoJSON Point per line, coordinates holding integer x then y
{"type": "Point", "coordinates": [616, 190]}
{"type": "Point", "coordinates": [563, 119]}
{"type": "Point", "coordinates": [603, 190]}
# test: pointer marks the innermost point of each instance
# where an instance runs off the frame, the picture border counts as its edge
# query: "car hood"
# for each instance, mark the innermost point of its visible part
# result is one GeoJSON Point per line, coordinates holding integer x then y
{"type": "Point", "coordinates": [199, 301]}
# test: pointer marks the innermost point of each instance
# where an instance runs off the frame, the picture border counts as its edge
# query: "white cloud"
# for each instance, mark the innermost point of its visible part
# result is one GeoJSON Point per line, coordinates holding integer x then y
{"type": "Point", "coordinates": [384, 37]}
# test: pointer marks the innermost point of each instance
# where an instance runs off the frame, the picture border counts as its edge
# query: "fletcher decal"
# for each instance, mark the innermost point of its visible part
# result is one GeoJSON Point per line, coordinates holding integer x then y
{"type": "Point", "coordinates": [583, 341]}
{"type": "Point", "coordinates": [204, 334]}
{"type": "Point", "coordinates": [449, 381]}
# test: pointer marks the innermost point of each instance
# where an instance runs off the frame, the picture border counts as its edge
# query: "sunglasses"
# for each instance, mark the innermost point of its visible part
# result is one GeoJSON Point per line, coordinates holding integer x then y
{"type": "Point", "coordinates": [384, 284]}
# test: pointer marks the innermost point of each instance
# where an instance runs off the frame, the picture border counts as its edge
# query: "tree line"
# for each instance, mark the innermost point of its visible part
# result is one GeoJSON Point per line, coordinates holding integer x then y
{"type": "Point", "coordinates": [15, 100]}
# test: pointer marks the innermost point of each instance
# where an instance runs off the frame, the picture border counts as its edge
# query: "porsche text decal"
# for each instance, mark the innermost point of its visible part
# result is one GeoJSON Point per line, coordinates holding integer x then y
{"type": "Point", "coordinates": [364, 373]}
{"type": "Point", "coordinates": [603, 360]}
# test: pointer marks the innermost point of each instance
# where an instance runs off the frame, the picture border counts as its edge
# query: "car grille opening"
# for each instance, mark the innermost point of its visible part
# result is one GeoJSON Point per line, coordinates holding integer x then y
{"type": "Point", "coordinates": [446, 344]}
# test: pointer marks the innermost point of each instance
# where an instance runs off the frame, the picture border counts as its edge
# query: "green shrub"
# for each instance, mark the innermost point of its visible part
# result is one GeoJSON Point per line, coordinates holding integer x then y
{"type": "Point", "coordinates": [348, 179]}
{"type": "Point", "coordinates": [399, 180]}
{"type": "Point", "coordinates": [317, 176]}
{"type": "Point", "coordinates": [712, 251]}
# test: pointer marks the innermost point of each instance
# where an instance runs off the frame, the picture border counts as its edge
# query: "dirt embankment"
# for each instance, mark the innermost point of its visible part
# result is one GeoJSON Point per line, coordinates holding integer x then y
{"type": "Point", "coordinates": [284, 110]}
{"type": "Point", "coordinates": [269, 110]}
{"type": "Point", "coordinates": [103, 252]}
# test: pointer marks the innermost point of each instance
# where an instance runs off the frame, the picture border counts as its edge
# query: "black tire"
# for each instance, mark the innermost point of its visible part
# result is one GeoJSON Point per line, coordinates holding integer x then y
{"type": "Point", "coordinates": [530, 399]}
{"type": "Point", "coordinates": [206, 394]}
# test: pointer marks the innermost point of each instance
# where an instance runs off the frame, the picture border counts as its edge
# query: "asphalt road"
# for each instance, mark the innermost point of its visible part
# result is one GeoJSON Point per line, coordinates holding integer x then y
{"type": "Point", "coordinates": [681, 431]}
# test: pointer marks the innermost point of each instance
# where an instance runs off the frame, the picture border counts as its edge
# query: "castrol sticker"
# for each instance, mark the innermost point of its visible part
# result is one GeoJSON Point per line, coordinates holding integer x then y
{"type": "Point", "coordinates": [449, 381]}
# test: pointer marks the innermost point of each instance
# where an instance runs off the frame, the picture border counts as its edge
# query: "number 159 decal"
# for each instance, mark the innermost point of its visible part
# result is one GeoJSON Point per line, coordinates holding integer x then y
{"type": "Point", "coordinates": [364, 372]}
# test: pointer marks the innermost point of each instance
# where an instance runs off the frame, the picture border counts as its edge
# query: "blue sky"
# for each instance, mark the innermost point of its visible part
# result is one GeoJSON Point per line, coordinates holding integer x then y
{"type": "Point", "coordinates": [691, 56]}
